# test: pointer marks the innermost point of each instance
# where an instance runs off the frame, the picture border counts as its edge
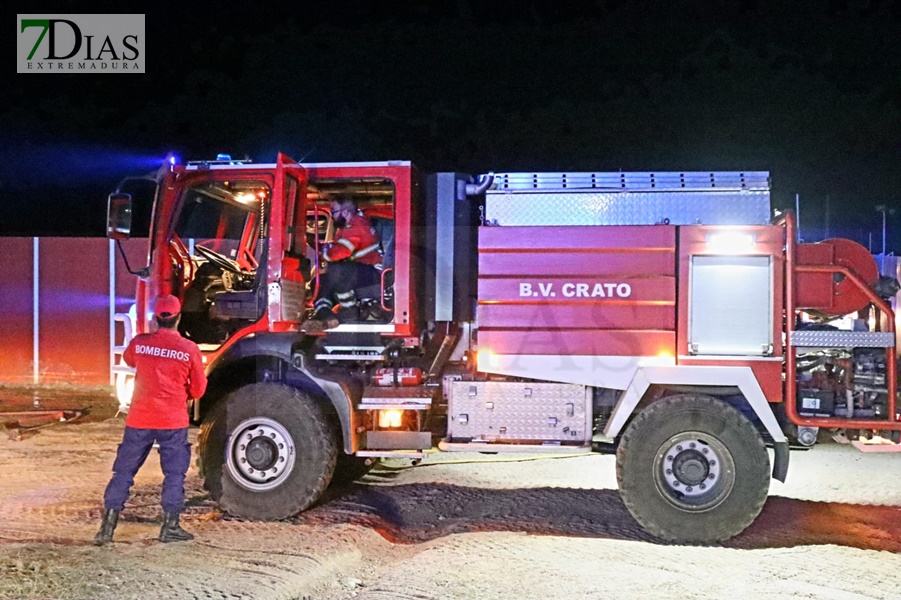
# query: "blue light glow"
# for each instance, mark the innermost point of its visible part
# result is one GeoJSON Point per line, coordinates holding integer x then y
{"type": "Point", "coordinates": [62, 301]}
{"type": "Point", "coordinates": [77, 164]}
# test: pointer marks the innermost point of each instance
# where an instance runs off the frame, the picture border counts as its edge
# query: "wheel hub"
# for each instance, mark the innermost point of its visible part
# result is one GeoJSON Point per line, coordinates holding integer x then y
{"type": "Point", "coordinates": [260, 454]}
{"type": "Point", "coordinates": [690, 467]}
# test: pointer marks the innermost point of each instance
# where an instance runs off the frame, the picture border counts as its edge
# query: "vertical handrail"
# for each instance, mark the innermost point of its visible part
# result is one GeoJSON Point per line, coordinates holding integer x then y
{"type": "Point", "coordinates": [316, 248]}
{"type": "Point", "coordinates": [791, 382]}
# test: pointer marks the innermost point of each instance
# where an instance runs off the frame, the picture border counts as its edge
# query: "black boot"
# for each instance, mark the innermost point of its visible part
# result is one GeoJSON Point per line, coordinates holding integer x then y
{"type": "Point", "coordinates": [348, 314]}
{"type": "Point", "coordinates": [171, 531]}
{"type": "Point", "coordinates": [323, 320]}
{"type": "Point", "coordinates": [107, 527]}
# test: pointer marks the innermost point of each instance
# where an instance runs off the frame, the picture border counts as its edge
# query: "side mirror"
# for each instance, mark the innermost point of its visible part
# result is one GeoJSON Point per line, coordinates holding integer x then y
{"type": "Point", "coordinates": [118, 216]}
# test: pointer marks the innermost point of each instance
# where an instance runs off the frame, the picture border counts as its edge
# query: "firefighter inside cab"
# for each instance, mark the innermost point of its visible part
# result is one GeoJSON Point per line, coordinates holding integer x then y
{"type": "Point", "coordinates": [351, 261]}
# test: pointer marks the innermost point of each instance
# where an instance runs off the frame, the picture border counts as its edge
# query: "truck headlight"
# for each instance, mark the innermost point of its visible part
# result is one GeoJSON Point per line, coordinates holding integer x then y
{"type": "Point", "coordinates": [390, 419]}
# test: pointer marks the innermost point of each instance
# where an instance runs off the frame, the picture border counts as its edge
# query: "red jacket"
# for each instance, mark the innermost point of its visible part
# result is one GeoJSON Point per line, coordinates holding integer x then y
{"type": "Point", "coordinates": [357, 242]}
{"type": "Point", "coordinates": [169, 372]}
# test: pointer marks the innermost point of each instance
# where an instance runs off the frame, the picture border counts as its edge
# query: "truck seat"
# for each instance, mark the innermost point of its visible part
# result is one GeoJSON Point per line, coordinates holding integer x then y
{"type": "Point", "coordinates": [384, 228]}
{"type": "Point", "coordinates": [371, 296]}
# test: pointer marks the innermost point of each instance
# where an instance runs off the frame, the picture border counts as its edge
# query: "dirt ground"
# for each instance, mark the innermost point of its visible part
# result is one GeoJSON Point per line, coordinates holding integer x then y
{"type": "Point", "coordinates": [456, 526]}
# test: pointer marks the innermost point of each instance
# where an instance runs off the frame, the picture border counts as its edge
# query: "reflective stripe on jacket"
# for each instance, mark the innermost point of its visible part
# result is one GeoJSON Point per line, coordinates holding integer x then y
{"type": "Point", "coordinates": [357, 242]}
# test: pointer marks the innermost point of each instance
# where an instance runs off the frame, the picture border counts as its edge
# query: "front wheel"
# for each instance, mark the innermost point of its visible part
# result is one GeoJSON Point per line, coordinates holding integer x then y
{"type": "Point", "coordinates": [270, 452]}
{"type": "Point", "coordinates": [691, 468]}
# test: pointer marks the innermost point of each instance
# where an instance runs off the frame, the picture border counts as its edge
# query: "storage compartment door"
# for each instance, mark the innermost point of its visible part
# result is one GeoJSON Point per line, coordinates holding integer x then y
{"type": "Point", "coordinates": [731, 305]}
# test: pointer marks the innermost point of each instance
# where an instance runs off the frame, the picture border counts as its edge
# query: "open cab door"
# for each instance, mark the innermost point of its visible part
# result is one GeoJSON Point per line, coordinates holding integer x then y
{"type": "Point", "coordinates": [290, 262]}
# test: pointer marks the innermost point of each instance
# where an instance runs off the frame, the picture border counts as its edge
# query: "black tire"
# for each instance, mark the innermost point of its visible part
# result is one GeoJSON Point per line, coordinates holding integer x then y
{"type": "Point", "coordinates": [211, 450]}
{"type": "Point", "coordinates": [268, 452]}
{"type": "Point", "coordinates": [352, 468]}
{"type": "Point", "coordinates": [692, 469]}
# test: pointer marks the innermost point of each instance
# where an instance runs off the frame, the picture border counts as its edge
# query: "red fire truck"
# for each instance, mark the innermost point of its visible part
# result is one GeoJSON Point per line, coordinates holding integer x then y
{"type": "Point", "coordinates": [664, 316]}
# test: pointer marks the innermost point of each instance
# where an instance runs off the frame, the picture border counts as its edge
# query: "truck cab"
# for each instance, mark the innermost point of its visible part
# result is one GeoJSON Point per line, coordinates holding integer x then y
{"type": "Point", "coordinates": [239, 243]}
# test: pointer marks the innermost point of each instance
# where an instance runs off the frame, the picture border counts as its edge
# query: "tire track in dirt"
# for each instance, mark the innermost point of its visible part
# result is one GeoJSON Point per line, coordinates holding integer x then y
{"type": "Point", "coordinates": [71, 504]}
{"type": "Point", "coordinates": [416, 513]}
{"type": "Point", "coordinates": [175, 573]}
{"type": "Point", "coordinates": [196, 570]}
{"type": "Point", "coordinates": [57, 483]}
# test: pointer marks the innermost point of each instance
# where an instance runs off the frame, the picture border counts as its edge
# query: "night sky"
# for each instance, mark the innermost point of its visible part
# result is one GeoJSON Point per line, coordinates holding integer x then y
{"type": "Point", "coordinates": [808, 90]}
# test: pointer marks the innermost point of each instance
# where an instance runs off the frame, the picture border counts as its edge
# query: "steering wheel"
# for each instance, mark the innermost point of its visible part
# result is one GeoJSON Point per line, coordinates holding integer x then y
{"type": "Point", "coordinates": [217, 259]}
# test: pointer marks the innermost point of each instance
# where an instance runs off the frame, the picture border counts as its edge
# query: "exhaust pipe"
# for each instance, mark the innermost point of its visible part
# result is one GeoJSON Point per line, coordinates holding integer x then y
{"type": "Point", "coordinates": [479, 187]}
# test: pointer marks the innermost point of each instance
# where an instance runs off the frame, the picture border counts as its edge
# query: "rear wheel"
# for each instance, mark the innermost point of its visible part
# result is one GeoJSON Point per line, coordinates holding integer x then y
{"type": "Point", "coordinates": [692, 469]}
{"type": "Point", "coordinates": [268, 453]}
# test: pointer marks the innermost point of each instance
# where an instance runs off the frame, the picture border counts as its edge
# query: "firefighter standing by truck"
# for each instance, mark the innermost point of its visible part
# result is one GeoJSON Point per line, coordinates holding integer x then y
{"type": "Point", "coordinates": [169, 372]}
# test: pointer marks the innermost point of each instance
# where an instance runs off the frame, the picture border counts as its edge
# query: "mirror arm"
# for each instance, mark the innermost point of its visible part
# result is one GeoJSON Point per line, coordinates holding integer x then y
{"type": "Point", "coordinates": [145, 272]}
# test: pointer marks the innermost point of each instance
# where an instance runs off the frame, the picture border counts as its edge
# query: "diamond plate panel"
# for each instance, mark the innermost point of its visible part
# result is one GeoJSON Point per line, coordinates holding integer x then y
{"type": "Point", "coordinates": [843, 339]}
{"type": "Point", "coordinates": [647, 181]}
{"type": "Point", "coordinates": [546, 412]}
{"type": "Point", "coordinates": [711, 207]}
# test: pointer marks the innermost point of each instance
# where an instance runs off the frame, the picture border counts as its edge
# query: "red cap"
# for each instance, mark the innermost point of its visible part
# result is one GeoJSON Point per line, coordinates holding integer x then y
{"type": "Point", "coordinates": [167, 306]}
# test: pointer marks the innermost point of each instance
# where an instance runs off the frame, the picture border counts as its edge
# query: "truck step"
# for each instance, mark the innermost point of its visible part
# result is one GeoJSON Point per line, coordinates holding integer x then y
{"type": "Point", "coordinates": [357, 353]}
{"type": "Point", "coordinates": [393, 440]}
{"type": "Point", "coordinates": [399, 398]}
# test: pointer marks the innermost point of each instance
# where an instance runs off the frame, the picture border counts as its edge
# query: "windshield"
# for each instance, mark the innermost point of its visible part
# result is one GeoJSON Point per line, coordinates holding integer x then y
{"type": "Point", "coordinates": [223, 216]}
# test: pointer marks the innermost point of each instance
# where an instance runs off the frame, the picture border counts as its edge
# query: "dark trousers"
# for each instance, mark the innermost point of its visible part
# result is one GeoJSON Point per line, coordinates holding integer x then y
{"type": "Point", "coordinates": [345, 276]}
{"type": "Point", "coordinates": [175, 458]}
